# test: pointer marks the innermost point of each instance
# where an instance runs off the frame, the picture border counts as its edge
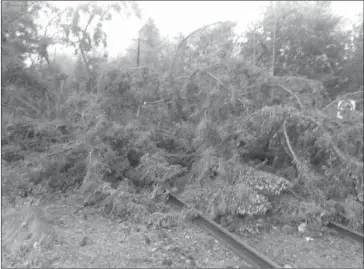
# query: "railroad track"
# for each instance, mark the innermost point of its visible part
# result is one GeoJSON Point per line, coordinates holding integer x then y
{"type": "Point", "coordinates": [347, 232]}
{"type": "Point", "coordinates": [242, 249]}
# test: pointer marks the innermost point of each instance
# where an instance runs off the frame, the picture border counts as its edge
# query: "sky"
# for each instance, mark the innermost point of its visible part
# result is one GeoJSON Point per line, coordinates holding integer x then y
{"type": "Point", "coordinates": [174, 17]}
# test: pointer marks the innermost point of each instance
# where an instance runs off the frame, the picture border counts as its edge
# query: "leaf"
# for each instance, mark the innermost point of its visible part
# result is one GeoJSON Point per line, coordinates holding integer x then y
{"type": "Point", "coordinates": [75, 20]}
{"type": "Point", "coordinates": [136, 9]}
{"type": "Point", "coordinates": [116, 7]}
{"type": "Point", "coordinates": [108, 17]}
{"type": "Point", "coordinates": [85, 8]}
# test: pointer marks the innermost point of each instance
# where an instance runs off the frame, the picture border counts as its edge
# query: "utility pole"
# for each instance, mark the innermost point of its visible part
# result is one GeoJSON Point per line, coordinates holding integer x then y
{"type": "Point", "coordinates": [139, 40]}
{"type": "Point", "coordinates": [138, 51]}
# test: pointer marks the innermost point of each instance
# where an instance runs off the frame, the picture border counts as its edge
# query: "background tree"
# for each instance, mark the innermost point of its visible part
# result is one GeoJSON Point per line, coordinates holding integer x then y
{"type": "Point", "coordinates": [19, 33]}
{"type": "Point", "coordinates": [309, 41]}
{"type": "Point", "coordinates": [351, 76]}
{"type": "Point", "coordinates": [149, 45]}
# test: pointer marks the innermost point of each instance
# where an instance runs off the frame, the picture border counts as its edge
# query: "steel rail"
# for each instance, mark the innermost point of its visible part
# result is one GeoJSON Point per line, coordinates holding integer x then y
{"type": "Point", "coordinates": [240, 248]}
{"type": "Point", "coordinates": [341, 229]}
{"type": "Point", "coordinates": [346, 232]}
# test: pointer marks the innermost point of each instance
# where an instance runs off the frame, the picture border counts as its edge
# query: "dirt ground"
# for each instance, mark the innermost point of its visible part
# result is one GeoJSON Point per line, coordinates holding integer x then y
{"type": "Point", "coordinates": [298, 251]}
{"type": "Point", "coordinates": [286, 246]}
{"type": "Point", "coordinates": [87, 239]}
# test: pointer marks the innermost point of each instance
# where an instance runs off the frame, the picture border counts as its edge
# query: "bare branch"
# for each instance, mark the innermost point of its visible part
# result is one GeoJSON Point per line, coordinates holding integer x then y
{"type": "Point", "coordinates": [187, 37]}
{"type": "Point", "coordinates": [295, 158]}
{"type": "Point", "coordinates": [51, 20]}
{"type": "Point", "coordinates": [291, 93]}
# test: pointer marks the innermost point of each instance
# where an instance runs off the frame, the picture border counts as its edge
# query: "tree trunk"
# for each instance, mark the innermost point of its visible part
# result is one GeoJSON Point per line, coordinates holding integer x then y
{"type": "Point", "coordinates": [254, 45]}
{"type": "Point", "coordinates": [274, 37]}
{"type": "Point", "coordinates": [84, 58]}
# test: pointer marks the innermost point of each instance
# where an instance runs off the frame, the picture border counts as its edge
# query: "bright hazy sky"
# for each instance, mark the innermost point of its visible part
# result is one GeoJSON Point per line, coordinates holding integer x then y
{"type": "Point", "coordinates": [173, 17]}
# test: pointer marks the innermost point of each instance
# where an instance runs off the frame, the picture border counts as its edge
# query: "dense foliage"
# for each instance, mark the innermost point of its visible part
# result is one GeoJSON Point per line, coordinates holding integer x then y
{"type": "Point", "coordinates": [202, 115]}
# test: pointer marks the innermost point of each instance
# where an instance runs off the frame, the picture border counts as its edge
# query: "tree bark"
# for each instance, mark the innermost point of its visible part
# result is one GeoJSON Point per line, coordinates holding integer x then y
{"type": "Point", "coordinates": [274, 37]}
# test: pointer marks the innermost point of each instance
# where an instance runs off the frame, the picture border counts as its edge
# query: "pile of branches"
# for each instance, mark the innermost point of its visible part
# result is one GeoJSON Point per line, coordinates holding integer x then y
{"type": "Point", "coordinates": [282, 125]}
{"type": "Point", "coordinates": [154, 129]}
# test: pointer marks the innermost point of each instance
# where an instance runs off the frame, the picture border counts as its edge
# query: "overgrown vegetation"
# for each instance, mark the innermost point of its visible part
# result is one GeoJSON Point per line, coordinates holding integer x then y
{"type": "Point", "coordinates": [203, 116]}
